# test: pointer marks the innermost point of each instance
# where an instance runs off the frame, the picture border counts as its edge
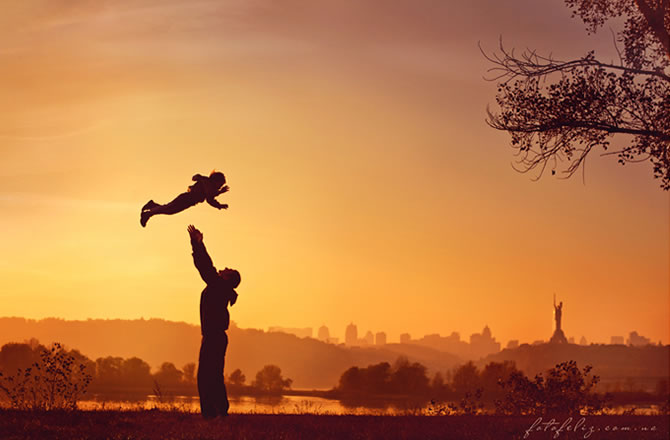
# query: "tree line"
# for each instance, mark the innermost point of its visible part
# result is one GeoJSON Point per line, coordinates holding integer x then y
{"type": "Point", "coordinates": [124, 376]}
{"type": "Point", "coordinates": [498, 386]}
{"type": "Point", "coordinates": [34, 376]}
{"type": "Point", "coordinates": [405, 378]}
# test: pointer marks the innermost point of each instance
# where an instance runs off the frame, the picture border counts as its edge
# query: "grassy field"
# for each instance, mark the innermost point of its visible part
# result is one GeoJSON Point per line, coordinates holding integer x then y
{"type": "Point", "coordinates": [165, 425]}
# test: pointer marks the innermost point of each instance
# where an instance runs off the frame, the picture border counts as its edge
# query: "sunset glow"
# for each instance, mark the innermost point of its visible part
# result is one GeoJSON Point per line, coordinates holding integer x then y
{"type": "Point", "coordinates": [365, 185]}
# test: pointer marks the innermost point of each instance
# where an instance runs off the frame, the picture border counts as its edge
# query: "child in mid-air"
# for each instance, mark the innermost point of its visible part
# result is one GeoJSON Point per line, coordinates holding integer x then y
{"type": "Point", "coordinates": [204, 189]}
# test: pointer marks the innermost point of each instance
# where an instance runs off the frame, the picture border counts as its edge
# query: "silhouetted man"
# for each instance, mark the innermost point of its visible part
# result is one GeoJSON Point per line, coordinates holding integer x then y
{"type": "Point", "coordinates": [214, 321]}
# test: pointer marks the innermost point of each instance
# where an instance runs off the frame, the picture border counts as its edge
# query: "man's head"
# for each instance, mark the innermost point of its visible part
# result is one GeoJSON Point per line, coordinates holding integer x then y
{"type": "Point", "coordinates": [231, 276]}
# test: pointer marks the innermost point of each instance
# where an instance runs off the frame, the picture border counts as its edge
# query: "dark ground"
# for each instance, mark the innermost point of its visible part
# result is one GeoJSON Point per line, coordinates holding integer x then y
{"type": "Point", "coordinates": [165, 425]}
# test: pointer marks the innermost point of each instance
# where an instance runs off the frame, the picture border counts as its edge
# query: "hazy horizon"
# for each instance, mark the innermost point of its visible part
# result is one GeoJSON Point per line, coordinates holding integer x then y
{"type": "Point", "coordinates": [339, 332]}
{"type": "Point", "coordinates": [365, 185]}
{"type": "Point", "coordinates": [309, 362]}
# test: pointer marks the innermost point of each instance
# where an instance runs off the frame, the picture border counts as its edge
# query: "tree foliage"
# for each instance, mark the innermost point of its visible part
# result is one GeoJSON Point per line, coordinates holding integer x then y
{"type": "Point", "coordinates": [557, 111]}
{"type": "Point", "coordinates": [237, 378]}
{"type": "Point", "coordinates": [565, 390]}
{"type": "Point", "coordinates": [404, 378]}
{"type": "Point", "coordinates": [270, 380]}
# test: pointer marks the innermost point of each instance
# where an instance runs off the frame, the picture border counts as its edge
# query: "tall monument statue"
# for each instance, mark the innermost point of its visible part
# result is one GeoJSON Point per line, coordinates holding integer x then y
{"type": "Point", "coordinates": [558, 313]}
{"type": "Point", "coordinates": [558, 337]}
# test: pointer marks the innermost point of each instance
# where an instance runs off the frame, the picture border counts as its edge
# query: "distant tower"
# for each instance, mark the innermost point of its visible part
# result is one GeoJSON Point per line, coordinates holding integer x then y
{"type": "Point", "coordinates": [324, 334]}
{"type": "Point", "coordinates": [351, 335]}
{"type": "Point", "coordinates": [380, 338]}
{"type": "Point", "coordinates": [369, 338]}
{"type": "Point", "coordinates": [616, 340]}
{"type": "Point", "coordinates": [486, 333]}
{"type": "Point", "coordinates": [558, 337]}
{"type": "Point", "coordinates": [405, 338]}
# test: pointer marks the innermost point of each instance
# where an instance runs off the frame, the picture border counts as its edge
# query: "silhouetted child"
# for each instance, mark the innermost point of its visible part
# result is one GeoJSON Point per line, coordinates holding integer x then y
{"type": "Point", "coordinates": [204, 189]}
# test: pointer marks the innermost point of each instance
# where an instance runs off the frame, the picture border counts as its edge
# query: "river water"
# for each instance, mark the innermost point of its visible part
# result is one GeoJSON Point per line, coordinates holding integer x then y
{"type": "Point", "coordinates": [284, 405]}
{"type": "Point", "coordinates": [240, 405]}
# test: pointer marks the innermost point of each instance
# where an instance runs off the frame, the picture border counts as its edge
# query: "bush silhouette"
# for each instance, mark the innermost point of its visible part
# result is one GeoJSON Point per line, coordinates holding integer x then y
{"type": "Point", "coordinates": [565, 390]}
{"type": "Point", "coordinates": [56, 381]}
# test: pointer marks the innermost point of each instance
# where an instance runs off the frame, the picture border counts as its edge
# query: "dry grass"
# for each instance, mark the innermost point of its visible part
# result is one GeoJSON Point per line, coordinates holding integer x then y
{"type": "Point", "coordinates": [176, 425]}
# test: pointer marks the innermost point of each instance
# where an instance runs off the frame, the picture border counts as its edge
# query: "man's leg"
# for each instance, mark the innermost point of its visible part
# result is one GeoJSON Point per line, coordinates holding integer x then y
{"type": "Point", "coordinates": [207, 366]}
{"type": "Point", "coordinates": [222, 397]}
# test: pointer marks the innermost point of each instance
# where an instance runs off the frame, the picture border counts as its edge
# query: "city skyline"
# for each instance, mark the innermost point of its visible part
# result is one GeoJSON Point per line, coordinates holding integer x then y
{"type": "Point", "coordinates": [629, 337]}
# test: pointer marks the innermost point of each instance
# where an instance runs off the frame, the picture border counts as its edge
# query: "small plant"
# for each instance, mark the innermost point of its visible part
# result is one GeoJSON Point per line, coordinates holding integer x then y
{"type": "Point", "coordinates": [307, 407]}
{"type": "Point", "coordinates": [56, 381]}
{"type": "Point", "coordinates": [471, 404]}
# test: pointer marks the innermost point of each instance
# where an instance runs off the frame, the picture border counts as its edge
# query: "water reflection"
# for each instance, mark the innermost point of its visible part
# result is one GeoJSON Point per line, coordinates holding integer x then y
{"type": "Point", "coordinates": [290, 405]}
{"type": "Point", "coordinates": [238, 405]}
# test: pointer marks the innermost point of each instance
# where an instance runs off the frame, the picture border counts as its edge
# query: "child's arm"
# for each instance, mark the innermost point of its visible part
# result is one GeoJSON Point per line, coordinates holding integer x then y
{"type": "Point", "coordinates": [201, 259]}
{"type": "Point", "coordinates": [198, 177]}
{"type": "Point", "coordinates": [215, 203]}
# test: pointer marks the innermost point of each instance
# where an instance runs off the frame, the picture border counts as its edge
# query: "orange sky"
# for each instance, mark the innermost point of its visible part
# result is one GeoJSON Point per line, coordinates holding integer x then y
{"type": "Point", "coordinates": [365, 185]}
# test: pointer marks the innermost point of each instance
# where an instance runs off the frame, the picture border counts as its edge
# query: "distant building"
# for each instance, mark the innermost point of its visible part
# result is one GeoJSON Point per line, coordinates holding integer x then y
{"type": "Point", "coordinates": [637, 340]}
{"type": "Point", "coordinates": [351, 335]}
{"type": "Point", "coordinates": [369, 338]}
{"type": "Point", "coordinates": [583, 341]}
{"type": "Point", "coordinates": [380, 338]}
{"type": "Point", "coordinates": [538, 342]}
{"type": "Point", "coordinates": [299, 332]}
{"type": "Point", "coordinates": [450, 344]}
{"type": "Point", "coordinates": [571, 340]}
{"type": "Point", "coordinates": [617, 340]}
{"type": "Point", "coordinates": [324, 333]}
{"type": "Point", "coordinates": [481, 345]}
{"type": "Point", "coordinates": [405, 338]}
{"type": "Point", "coordinates": [514, 343]}
{"type": "Point", "coordinates": [334, 341]}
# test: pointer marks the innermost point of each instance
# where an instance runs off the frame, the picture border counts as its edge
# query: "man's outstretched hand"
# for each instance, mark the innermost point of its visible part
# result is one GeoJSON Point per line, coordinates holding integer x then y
{"type": "Point", "coordinates": [196, 235]}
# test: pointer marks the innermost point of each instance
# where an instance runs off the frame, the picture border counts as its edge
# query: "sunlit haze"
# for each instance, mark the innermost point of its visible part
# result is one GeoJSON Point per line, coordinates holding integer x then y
{"type": "Point", "coordinates": [365, 184]}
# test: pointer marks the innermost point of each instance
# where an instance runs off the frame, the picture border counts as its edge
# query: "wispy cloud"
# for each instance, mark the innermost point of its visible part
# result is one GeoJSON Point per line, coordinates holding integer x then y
{"type": "Point", "coordinates": [71, 133]}
{"type": "Point", "coordinates": [47, 200]}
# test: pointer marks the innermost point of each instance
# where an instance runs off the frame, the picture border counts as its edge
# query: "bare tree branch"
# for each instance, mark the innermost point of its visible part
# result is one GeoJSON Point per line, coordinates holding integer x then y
{"type": "Point", "coordinates": [559, 111]}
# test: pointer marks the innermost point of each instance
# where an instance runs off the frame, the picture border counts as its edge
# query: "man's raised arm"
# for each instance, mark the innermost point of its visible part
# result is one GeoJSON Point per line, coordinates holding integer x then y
{"type": "Point", "coordinates": [202, 260]}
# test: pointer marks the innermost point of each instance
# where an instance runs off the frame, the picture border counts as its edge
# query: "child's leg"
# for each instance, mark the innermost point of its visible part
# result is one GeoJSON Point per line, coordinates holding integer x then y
{"type": "Point", "coordinates": [181, 202]}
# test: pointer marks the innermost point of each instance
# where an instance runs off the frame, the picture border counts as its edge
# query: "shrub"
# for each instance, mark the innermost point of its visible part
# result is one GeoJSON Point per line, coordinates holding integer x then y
{"type": "Point", "coordinates": [56, 381]}
{"type": "Point", "coordinates": [566, 389]}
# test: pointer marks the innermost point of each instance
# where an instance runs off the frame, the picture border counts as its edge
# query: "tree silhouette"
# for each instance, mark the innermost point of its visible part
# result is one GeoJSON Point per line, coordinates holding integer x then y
{"type": "Point", "coordinates": [466, 379]}
{"type": "Point", "coordinates": [494, 374]}
{"type": "Point", "coordinates": [237, 378]}
{"type": "Point", "coordinates": [557, 111]}
{"type": "Point", "coordinates": [136, 373]}
{"type": "Point", "coordinates": [565, 390]}
{"type": "Point", "coordinates": [108, 371]}
{"type": "Point", "coordinates": [409, 378]}
{"type": "Point", "coordinates": [439, 386]}
{"type": "Point", "coordinates": [168, 375]}
{"type": "Point", "coordinates": [402, 379]}
{"type": "Point", "coordinates": [14, 356]}
{"type": "Point", "coordinates": [189, 373]}
{"type": "Point", "coordinates": [270, 380]}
